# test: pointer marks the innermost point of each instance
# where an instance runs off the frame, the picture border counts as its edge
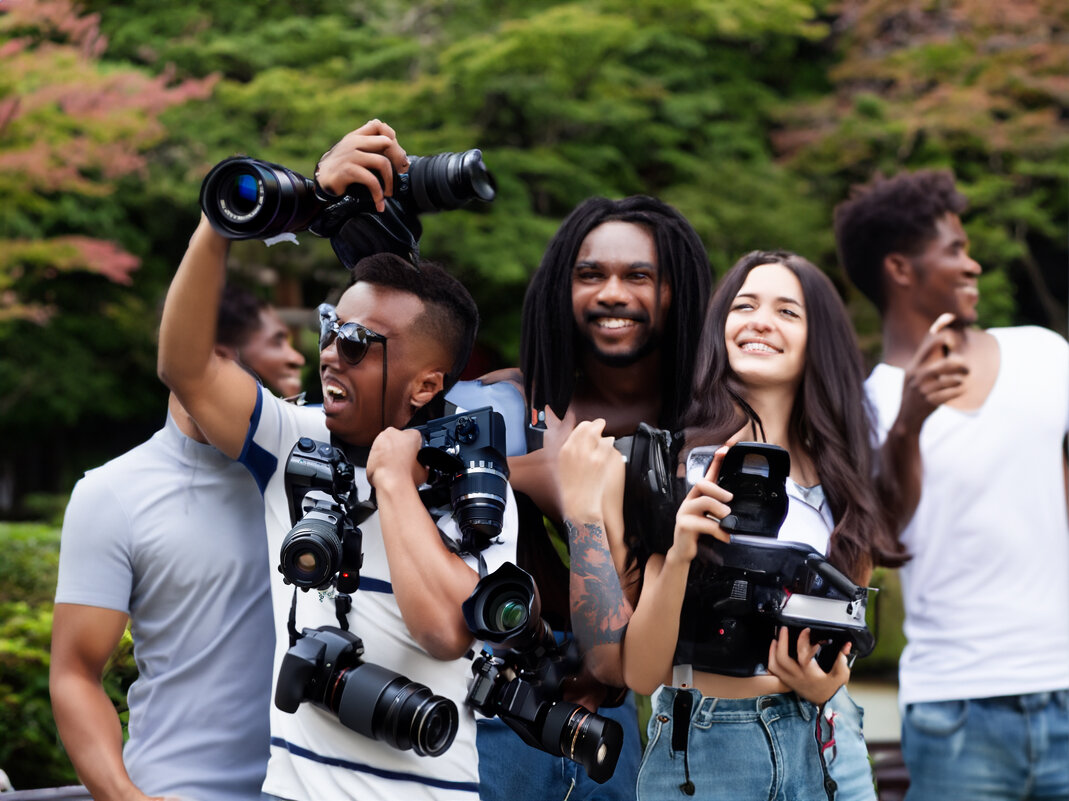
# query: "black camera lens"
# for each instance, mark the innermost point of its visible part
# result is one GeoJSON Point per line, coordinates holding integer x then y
{"type": "Point", "coordinates": [478, 500]}
{"type": "Point", "coordinates": [384, 705]}
{"type": "Point", "coordinates": [585, 737]}
{"type": "Point", "coordinates": [312, 551]}
{"type": "Point", "coordinates": [246, 198]}
{"type": "Point", "coordinates": [449, 180]}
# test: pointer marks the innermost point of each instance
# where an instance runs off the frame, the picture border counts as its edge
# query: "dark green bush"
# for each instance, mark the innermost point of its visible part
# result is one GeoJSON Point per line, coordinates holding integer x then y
{"type": "Point", "coordinates": [30, 749]}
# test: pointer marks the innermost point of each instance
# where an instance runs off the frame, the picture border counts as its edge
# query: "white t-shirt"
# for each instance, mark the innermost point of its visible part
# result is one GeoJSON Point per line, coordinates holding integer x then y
{"type": "Point", "coordinates": [172, 534]}
{"type": "Point", "coordinates": [987, 590]}
{"type": "Point", "coordinates": [313, 756]}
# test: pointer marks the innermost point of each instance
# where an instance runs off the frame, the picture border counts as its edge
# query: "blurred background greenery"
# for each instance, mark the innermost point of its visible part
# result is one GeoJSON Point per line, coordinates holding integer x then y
{"type": "Point", "coordinates": [753, 117]}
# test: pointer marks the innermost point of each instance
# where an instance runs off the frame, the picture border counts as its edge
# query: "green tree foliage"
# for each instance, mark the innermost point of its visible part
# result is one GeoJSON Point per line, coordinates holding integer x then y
{"type": "Point", "coordinates": [970, 85]}
{"type": "Point", "coordinates": [565, 99]}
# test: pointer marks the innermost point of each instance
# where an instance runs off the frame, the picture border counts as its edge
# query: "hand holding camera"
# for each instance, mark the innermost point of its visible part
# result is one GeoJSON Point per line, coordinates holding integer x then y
{"type": "Point", "coordinates": [368, 157]}
{"type": "Point", "coordinates": [366, 197]}
{"type": "Point", "coordinates": [590, 473]}
{"type": "Point", "coordinates": [704, 506]}
{"type": "Point", "coordinates": [393, 458]}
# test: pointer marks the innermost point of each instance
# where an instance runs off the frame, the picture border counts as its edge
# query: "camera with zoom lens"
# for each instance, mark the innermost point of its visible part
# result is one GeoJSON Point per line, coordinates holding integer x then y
{"type": "Point", "coordinates": [520, 679]}
{"type": "Point", "coordinates": [324, 667]}
{"type": "Point", "coordinates": [465, 456]}
{"type": "Point", "coordinates": [245, 198]}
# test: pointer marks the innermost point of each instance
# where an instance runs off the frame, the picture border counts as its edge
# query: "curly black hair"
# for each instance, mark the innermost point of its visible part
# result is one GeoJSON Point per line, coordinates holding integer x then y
{"type": "Point", "coordinates": [891, 215]}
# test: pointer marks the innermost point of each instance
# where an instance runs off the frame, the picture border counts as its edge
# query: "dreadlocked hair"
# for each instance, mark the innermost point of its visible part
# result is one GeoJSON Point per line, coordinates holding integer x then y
{"type": "Point", "coordinates": [830, 417]}
{"type": "Point", "coordinates": [548, 341]}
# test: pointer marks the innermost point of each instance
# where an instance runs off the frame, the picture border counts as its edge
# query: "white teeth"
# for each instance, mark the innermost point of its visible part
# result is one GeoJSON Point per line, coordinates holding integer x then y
{"type": "Point", "coordinates": [615, 322]}
{"type": "Point", "coordinates": [334, 392]}
{"type": "Point", "coordinates": [760, 347]}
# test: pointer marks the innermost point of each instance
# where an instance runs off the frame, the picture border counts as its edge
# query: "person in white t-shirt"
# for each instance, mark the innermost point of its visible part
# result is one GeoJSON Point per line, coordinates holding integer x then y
{"type": "Point", "coordinates": [397, 339]}
{"type": "Point", "coordinates": [974, 427]}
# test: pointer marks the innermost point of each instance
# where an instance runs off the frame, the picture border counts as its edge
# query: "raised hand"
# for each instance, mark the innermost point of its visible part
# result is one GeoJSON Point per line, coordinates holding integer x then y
{"type": "Point", "coordinates": [366, 157]}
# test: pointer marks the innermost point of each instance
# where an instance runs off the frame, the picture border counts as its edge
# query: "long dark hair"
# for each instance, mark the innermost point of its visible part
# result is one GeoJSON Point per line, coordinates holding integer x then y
{"type": "Point", "coordinates": [547, 334]}
{"type": "Point", "coordinates": [831, 416]}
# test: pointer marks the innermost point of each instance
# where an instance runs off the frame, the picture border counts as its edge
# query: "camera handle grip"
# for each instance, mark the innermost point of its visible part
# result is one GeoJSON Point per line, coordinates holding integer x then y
{"type": "Point", "coordinates": [298, 667]}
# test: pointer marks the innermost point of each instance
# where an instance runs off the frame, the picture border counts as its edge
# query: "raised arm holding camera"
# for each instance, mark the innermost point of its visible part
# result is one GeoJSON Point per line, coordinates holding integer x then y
{"type": "Point", "coordinates": [399, 336]}
{"type": "Point", "coordinates": [777, 363]}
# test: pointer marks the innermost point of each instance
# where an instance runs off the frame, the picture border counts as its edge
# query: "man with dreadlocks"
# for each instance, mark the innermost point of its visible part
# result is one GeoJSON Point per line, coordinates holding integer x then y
{"type": "Point", "coordinates": [610, 325]}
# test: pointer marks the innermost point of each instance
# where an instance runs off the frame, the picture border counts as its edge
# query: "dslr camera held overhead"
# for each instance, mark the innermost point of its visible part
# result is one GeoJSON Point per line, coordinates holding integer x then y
{"type": "Point", "coordinates": [245, 198]}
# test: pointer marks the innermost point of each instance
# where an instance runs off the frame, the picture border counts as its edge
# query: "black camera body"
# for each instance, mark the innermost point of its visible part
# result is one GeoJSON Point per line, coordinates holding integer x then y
{"type": "Point", "coordinates": [324, 667]}
{"type": "Point", "coordinates": [465, 456]}
{"type": "Point", "coordinates": [324, 547]}
{"type": "Point", "coordinates": [245, 198]}
{"type": "Point", "coordinates": [740, 593]}
{"type": "Point", "coordinates": [520, 680]}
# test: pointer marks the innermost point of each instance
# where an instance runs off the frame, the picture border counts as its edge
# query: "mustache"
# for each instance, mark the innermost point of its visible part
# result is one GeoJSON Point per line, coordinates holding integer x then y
{"type": "Point", "coordinates": [637, 316]}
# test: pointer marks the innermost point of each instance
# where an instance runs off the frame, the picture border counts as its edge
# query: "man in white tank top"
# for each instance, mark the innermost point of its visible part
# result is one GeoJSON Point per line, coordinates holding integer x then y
{"type": "Point", "coordinates": [974, 428]}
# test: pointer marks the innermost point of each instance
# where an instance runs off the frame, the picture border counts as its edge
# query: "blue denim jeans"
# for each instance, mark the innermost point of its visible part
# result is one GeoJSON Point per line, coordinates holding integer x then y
{"type": "Point", "coordinates": [736, 750]}
{"type": "Point", "coordinates": [1011, 747]}
{"type": "Point", "coordinates": [511, 770]}
{"type": "Point", "coordinates": [845, 751]}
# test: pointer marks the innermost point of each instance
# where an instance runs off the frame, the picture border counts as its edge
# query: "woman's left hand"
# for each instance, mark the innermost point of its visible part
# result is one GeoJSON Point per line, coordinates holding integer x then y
{"type": "Point", "coordinates": [804, 675]}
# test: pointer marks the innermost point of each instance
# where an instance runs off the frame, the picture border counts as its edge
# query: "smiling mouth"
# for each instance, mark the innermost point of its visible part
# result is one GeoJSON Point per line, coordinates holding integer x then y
{"type": "Point", "coordinates": [614, 322]}
{"type": "Point", "coordinates": [757, 347]}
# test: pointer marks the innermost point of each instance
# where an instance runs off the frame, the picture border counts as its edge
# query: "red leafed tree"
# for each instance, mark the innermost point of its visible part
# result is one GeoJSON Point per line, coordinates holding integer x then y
{"type": "Point", "coordinates": [76, 318]}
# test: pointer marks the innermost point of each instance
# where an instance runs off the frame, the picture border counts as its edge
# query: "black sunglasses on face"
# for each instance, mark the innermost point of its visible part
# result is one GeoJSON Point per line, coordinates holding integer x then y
{"type": "Point", "coordinates": [353, 339]}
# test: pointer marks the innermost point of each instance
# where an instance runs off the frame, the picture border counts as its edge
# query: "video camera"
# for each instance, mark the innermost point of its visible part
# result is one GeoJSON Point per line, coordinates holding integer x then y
{"type": "Point", "coordinates": [245, 198]}
{"type": "Point", "coordinates": [739, 593]}
{"type": "Point", "coordinates": [325, 665]}
{"type": "Point", "coordinates": [520, 679]}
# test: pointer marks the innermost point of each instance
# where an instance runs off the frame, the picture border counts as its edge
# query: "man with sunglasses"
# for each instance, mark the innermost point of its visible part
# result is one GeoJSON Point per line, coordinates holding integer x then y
{"type": "Point", "coordinates": [169, 536]}
{"type": "Point", "coordinates": [398, 337]}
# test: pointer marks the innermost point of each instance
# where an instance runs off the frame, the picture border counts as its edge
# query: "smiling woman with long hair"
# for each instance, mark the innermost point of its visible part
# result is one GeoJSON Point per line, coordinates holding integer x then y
{"type": "Point", "coordinates": [778, 362]}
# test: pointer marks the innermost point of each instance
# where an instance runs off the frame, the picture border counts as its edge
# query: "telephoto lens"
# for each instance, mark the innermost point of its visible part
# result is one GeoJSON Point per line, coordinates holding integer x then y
{"type": "Point", "coordinates": [324, 667]}
{"type": "Point", "coordinates": [448, 180]}
{"type": "Point", "coordinates": [245, 198]}
{"type": "Point", "coordinates": [385, 705]}
{"type": "Point", "coordinates": [582, 736]}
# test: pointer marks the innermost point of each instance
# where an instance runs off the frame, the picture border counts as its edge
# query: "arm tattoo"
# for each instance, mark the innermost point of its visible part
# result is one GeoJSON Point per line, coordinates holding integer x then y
{"type": "Point", "coordinates": [599, 609]}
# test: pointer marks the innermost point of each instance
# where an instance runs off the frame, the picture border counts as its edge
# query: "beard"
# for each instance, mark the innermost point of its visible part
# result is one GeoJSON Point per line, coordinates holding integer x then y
{"type": "Point", "coordinates": [620, 359]}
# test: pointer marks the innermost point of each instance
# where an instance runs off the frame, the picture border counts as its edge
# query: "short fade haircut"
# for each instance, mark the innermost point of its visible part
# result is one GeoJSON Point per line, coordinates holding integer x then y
{"type": "Point", "coordinates": [239, 316]}
{"type": "Point", "coordinates": [449, 316]}
{"type": "Point", "coordinates": [548, 338]}
{"type": "Point", "coordinates": [891, 215]}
